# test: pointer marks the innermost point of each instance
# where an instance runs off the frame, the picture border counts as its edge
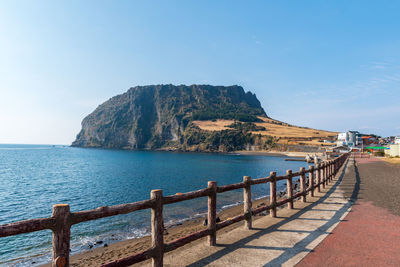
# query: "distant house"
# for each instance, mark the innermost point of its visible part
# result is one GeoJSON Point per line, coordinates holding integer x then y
{"type": "Point", "coordinates": [397, 140]}
{"type": "Point", "coordinates": [343, 137]}
{"type": "Point", "coordinates": [393, 151]}
{"type": "Point", "coordinates": [338, 149]}
{"type": "Point", "coordinates": [350, 138]}
{"type": "Point", "coordinates": [368, 140]}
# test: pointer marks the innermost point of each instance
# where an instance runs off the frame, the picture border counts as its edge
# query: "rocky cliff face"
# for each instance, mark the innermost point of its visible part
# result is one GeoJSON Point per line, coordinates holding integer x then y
{"type": "Point", "coordinates": [157, 116]}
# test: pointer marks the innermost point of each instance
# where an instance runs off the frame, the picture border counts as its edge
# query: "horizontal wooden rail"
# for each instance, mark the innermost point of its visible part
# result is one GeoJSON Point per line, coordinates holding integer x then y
{"type": "Point", "coordinates": [185, 240]}
{"type": "Point", "coordinates": [186, 196]}
{"type": "Point", "coordinates": [261, 180]}
{"type": "Point", "coordinates": [138, 257]}
{"type": "Point", "coordinates": [261, 209]}
{"type": "Point", "coordinates": [360, 155]}
{"type": "Point", "coordinates": [284, 201]}
{"type": "Point", "coordinates": [279, 178]}
{"type": "Point", "coordinates": [62, 219]}
{"type": "Point", "coordinates": [224, 188]}
{"type": "Point", "coordinates": [296, 174]}
{"type": "Point", "coordinates": [27, 226]}
{"type": "Point", "coordinates": [107, 211]}
{"type": "Point", "coordinates": [230, 221]}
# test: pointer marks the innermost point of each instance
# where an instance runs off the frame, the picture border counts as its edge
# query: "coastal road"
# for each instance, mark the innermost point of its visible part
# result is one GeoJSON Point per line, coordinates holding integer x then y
{"type": "Point", "coordinates": [369, 235]}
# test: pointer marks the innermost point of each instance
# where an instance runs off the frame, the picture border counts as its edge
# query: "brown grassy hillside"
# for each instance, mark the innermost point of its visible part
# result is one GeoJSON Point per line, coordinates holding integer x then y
{"type": "Point", "coordinates": [284, 132]}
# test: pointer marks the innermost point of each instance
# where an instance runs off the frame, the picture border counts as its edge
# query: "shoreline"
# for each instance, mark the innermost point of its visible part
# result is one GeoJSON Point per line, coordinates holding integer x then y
{"type": "Point", "coordinates": [275, 153]}
{"type": "Point", "coordinates": [237, 152]}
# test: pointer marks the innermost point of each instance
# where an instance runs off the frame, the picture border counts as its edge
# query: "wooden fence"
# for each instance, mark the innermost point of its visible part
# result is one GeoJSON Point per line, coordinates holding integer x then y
{"type": "Point", "coordinates": [62, 219]}
{"type": "Point", "coordinates": [355, 155]}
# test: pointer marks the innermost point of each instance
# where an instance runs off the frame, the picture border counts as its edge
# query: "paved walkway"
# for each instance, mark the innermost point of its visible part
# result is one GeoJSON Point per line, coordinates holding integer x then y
{"type": "Point", "coordinates": [282, 241]}
{"type": "Point", "coordinates": [370, 233]}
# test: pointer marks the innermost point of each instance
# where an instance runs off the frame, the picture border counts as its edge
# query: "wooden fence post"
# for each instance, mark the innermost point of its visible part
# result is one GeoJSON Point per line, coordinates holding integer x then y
{"type": "Point", "coordinates": [157, 228]}
{"type": "Point", "coordinates": [272, 193]}
{"type": "Point", "coordinates": [61, 235]}
{"type": "Point", "coordinates": [318, 177]}
{"type": "Point", "coordinates": [327, 173]}
{"type": "Point", "coordinates": [303, 184]}
{"type": "Point", "coordinates": [212, 213]}
{"type": "Point", "coordinates": [336, 166]}
{"type": "Point", "coordinates": [330, 170]}
{"type": "Point", "coordinates": [247, 202]}
{"type": "Point", "coordinates": [311, 180]}
{"type": "Point", "coordinates": [323, 174]}
{"type": "Point", "coordinates": [289, 188]}
{"type": "Point", "coordinates": [334, 169]}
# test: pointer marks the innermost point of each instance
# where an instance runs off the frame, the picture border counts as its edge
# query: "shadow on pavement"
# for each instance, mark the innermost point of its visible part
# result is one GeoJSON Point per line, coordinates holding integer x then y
{"type": "Point", "coordinates": [351, 189]}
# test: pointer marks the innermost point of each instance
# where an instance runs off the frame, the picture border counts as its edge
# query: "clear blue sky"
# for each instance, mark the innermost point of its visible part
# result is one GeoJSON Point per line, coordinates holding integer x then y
{"type": "Point", "coordinates": [331, 65]}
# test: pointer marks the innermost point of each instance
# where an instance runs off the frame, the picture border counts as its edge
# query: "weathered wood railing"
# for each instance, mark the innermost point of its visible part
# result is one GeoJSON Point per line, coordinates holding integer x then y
{"type": "Point", "coordinates": [355, 155]}
{"type": "Point", "coordinates": [62, 219]}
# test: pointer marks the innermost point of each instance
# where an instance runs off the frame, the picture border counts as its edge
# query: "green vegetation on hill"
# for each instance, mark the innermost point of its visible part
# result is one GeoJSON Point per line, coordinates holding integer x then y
{"type": "Point", "coordinates": [246, 126]}
{"type": "Point", "coordinates": [226, 140]}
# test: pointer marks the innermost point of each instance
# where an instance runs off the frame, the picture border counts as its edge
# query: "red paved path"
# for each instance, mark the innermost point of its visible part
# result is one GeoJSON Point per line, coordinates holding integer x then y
{"type": "Point", "coordinates": [369, 236]}
{"type": "Point", "coordinates": [367, 160]}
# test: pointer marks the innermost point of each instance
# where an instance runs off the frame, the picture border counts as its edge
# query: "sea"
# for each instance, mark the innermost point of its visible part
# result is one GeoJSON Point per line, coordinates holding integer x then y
{"type": "Point", "coordinates": [35, 177]}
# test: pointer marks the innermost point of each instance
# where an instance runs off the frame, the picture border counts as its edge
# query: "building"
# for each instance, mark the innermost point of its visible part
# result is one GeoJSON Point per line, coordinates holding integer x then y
{"type": "Point", "coordinates": [393, 151]}
{"type": "Point", "coordinates": [355, 138]}
{"type": "Point", "coordinates": [368, 140]}
{"type": "Point", "coordinates": [397, 140]}
{"type": "Point", "coordinates": [350, 138]}
{"type": "Point", "coordinates": [343, 137]}
{"type": "Point", "coordinates": [336, 150]}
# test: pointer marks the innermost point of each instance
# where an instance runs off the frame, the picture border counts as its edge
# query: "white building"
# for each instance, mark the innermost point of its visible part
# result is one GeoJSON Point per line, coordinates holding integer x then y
{"type": "Point", "coordinates": [397, 140]}
{"type": "Point", "coordinates": [343, 137]}
{"type": "Point", "coordinates": [350, 138]}
{"type": "Point", "coordinates": [393, 151]}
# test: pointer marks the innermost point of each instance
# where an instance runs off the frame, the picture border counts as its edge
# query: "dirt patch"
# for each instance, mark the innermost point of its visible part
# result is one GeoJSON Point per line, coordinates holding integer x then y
{"type": "Point", "coordinates": [392, 160]}
{"type": "Point", "coordinates": [217, 125]}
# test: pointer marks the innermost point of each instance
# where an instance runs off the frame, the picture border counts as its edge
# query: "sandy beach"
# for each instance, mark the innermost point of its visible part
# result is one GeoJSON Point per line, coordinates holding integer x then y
{"type": "Point", "coordinates": [277, 153]}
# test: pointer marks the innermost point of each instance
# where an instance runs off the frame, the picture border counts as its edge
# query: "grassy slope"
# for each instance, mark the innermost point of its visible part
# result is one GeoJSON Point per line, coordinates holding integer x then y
{"type": "Point", "coordinates": [287, 134]}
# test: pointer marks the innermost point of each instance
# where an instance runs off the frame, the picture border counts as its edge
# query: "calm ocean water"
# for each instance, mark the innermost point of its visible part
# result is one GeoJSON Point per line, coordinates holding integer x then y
{"type": "Point", "coordinates": [34, 177]}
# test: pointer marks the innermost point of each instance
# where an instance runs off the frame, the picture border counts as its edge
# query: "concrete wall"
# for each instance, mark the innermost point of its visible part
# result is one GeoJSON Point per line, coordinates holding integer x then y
{"type": "Point", "coordinates": [393, 151]}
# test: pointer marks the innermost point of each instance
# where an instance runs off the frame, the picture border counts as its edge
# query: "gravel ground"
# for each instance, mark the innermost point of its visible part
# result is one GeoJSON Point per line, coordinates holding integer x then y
{"type": "Point", "coordinates": [380, 184]}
